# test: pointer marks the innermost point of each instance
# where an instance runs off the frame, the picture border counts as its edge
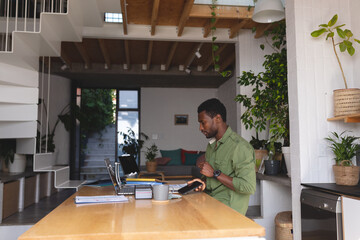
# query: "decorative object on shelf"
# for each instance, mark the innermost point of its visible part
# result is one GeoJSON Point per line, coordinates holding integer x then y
{"type": "Point", "coordinates": [150, 156]}
{"type": "Point", "coordinates": [260, 150]}
{"type": "Point", "coordinates": [344, 149]}
{"type": "Point", "coordinates": [272, 167]}
{"type": "Point", "coordinates": [268, 11]}
{"type": "Point", "coordinates": [181, 119]}
{"type": "Point", "coordinates": [286, 156]}
{"type": "Point", "coordinates": [19, 163]}
{"type": "Point", "coordinates": [346, 101]}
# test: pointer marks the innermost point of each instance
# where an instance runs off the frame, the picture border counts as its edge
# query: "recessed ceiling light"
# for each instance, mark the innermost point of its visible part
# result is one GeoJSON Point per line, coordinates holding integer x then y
{"type": "Point", "coordinates": [113, 17]}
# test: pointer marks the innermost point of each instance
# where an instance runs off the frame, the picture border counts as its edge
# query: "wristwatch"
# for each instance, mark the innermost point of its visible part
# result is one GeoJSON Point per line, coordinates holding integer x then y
{"type": "Point", "coordinates": [216, 173]}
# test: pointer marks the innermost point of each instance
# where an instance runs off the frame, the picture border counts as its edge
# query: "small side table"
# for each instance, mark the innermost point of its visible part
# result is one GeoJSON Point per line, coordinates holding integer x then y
{"type": "Point", "coordinates": [144, 173]}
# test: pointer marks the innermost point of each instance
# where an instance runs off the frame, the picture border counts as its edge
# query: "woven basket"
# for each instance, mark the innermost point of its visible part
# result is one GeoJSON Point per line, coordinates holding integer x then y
{"type": "Point", "coordinates": [283, 226]}
{"type": "Point", "coordinates": [346, 101]}
{"type": "Point", "coordinates": [346, 175]}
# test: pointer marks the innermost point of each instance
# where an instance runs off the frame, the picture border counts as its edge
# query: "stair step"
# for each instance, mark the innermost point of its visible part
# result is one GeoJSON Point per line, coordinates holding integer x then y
{"type": "Point", "coordinates": [71, 184]}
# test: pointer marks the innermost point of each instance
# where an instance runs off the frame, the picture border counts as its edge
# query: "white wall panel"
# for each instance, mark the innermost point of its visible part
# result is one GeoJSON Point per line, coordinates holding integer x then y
{"type": "Point", "coordinates": [13, 94]}
{"type": "Point", "coordinates": [18, 112]}
{"type": "Point", "coordinates": [18, 129]}
{"type": "Point", "coordinates": [13, 75]}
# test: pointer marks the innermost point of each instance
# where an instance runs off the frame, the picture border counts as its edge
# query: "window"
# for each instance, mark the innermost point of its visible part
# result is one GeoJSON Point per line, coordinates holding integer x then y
{"type": "Point", "coordinates": [113, 17]}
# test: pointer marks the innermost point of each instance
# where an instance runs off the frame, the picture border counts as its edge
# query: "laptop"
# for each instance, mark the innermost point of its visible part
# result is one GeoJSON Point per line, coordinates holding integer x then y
{"type": "Point", "coordinates": [119, 188]}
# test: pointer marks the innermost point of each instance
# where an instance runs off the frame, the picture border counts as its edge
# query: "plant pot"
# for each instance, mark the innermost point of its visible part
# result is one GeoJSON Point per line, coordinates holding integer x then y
{"type": "Point", "coordinates": [346, 175]}
{"type": "Point", "coordinates": [259, 155]}
{"type": "Point", "coordinates": [286, 153]}
{"type": "Point", "coordinates": [346, 101]}
{"type": "Point", "coordinates": [272, 167]}
{"type": "Point", "coordinates": [19, 164]}
{"type": "Point", "coordinates": [4, 168]}
{"type": "Point", "coordinates": [151, 166]}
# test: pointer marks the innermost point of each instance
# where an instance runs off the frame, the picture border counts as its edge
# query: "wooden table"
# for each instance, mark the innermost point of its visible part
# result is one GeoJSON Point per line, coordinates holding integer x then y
{"type": "Point", "coordinates": [195, 215]}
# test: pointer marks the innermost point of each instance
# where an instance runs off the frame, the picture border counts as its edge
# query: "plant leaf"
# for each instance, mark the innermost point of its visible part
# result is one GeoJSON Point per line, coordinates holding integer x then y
{"type": "Point", "coordinates": [342, 47]}
{"type": "Point", "coordinates": [351, 50]}
{"type": "Point", "coordinates": [331, 34]}
{"type": "Point", "coordinates": [317, 33]}
{"type": "Point", "coordinates": [348, 33]}
{"type": "Point", "coordinates": [340, 26]}
{"type": "Point", "coordinates": [341, 33]}
{"type": "Point", "coordinates": [262, 46]}
{"type": "Point", "coordinates": [323, 25]}
{"type": "Point", "coordinates": [333, 20]}
{"type": "Point", "coordinates": [356, 40]}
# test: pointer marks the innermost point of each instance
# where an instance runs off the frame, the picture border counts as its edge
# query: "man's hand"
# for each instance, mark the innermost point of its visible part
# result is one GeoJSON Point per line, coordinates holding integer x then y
{"type": "Point", "coordinates": [200, 188]}
{"type": "Point", "coordinates": [206, 169]}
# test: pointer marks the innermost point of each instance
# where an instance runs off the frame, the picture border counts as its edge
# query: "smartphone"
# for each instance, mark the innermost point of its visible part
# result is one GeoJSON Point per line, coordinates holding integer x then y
{"type": "Point", "coordinates": [189, 188]}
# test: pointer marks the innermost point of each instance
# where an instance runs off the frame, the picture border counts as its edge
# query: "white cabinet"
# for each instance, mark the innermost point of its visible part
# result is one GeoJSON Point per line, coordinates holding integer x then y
{"type": "Point", "coordinates": [351, 213]}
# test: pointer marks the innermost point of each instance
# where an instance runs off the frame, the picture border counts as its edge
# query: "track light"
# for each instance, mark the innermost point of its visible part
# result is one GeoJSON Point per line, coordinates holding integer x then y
{"type": "Point", "coordinates": [64, 67]}
{"type": "Point", "coordinates": [198, 55]}
{"type": "Point", "coordinates": [268, 11]}
{"type": "Point", "coordinates": [187, 70]}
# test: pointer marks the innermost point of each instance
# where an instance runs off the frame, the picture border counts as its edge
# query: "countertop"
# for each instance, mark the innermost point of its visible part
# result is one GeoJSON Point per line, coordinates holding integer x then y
{"type": "Point", "coordinates": [353, 191]}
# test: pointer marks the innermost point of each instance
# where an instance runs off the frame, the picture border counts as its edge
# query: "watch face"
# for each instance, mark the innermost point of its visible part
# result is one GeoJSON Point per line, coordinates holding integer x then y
{"type": "Point", "coordinates": [217, 173]}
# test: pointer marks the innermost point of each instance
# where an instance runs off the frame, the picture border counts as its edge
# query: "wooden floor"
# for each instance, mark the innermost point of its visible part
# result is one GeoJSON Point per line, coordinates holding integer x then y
{"type": "Point", "coordinates": [37, 211]}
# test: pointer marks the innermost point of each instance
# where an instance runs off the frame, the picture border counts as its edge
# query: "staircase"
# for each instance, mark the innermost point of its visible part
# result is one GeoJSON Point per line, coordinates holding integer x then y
{"type": "Point", "coordinates": [99, 147]}
{"type": "Point", "coordinates": [19, 76]}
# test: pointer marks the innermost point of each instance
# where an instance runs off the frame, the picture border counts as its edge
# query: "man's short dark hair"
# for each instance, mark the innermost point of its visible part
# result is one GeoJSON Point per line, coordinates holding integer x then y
{"type": "Point", "coordinates": [212, 107]}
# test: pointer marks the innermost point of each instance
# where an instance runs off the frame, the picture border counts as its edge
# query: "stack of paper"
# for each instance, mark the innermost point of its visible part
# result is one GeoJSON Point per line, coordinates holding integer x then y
{"type": "Point", "coordinates": [100, 199]}
{"type": "Point", "coordinates": [143, 192]}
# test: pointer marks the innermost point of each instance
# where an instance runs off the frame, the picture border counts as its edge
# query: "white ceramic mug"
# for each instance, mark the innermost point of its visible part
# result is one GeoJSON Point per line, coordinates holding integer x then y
{"type": "Point", "coordinates": [160, 192]}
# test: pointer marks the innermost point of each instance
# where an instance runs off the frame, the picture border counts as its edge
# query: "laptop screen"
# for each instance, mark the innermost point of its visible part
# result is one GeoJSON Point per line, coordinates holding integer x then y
{"type": "Point", "coordinates": [111, 173]}
{"type": "Point", "coordinates": [128, 164]}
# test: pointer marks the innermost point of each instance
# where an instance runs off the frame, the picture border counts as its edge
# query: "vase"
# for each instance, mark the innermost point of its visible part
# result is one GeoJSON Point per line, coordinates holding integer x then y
{"type": "Point", "coordinates": [151, 166]}
{"type": "Point", "coordinates": [259, 155]}
{"type": "Point", "coordinates": [346, 175]}
{"type": "Point", "coordinates": [19, 164]}
{"type": "Point", "coordinates": [286, 153]}
{"type": "Point", "coordinates": [346, 101]}
{"type": "Point", "coordinates": [272, 167]}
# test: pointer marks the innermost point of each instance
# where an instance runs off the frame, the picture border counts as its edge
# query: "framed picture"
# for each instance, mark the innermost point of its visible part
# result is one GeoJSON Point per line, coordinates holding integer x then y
{"type": "Point", "coordinates": [181, 119]}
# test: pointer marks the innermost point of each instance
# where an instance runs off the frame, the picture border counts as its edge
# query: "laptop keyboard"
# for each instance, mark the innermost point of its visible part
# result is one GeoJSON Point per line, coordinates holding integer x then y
{"type": "Point", "coordinates": [127, 190]}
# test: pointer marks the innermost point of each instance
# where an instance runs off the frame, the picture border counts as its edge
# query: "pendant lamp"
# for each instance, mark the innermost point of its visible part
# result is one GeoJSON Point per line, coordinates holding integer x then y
{"type": "Point", "coordinates": [268, 11]}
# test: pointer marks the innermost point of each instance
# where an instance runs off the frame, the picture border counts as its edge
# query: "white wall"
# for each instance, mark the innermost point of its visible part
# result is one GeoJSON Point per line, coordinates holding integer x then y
{"type": "Point", "coordinates": [227, 93]}
{"type": "Point", "coordinates": [158, 107]}
{"type": "Point", "coordinates": [313, 75]}
{"type": "Point", "coordinates": [355, 28]}
{"type": "Point", "coordinates": [60, 96]}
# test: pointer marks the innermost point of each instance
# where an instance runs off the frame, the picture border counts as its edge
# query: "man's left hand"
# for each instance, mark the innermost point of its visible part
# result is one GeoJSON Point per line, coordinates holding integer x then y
{"type": "Point", "coordinates": [207, 170]}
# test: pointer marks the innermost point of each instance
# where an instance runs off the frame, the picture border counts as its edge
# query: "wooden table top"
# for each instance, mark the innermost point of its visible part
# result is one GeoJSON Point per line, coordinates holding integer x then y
{"type": "Point", "coordinates": [195, 215]}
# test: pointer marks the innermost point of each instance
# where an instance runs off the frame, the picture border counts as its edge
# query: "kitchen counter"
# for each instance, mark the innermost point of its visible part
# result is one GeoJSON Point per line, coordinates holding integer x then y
{"type": "Point", "coordinates": [353, 191]}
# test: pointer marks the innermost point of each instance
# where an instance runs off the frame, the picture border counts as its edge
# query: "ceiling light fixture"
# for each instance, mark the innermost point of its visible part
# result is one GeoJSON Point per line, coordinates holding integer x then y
{"type": "Point", "coordinates": [197, 53]}
{"type": "Point", "coordinates": [64, 67]}
{"type": "Point", "coordinates": [268, 11]}
{"type": "Point", "coordinates": [187, 70]}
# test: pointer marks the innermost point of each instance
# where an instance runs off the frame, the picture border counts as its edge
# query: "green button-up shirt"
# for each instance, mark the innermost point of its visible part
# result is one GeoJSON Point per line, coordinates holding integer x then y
{"type": "Point", "coordinates": [235, 157]}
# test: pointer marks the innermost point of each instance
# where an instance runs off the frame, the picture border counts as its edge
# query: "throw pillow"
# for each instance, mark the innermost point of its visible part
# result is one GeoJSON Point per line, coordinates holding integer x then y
{"type": "Point", "coordinates": [183, 151]}
{"type": "Point", "coordinates": [190, 158]}
{"type": "Point", "coordinates": [175, 156]}
{"type": "Point", "coordinates": [162, 161]}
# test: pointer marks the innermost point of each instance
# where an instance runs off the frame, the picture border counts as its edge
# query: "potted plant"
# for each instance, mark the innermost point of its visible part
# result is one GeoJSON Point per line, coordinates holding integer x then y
{"type": "Point", "coordinates": [346, 101]}
{"type": "Point", "coordinates": [11, 161]}
{"type": "Point", "coordinates": [344, 149]}
{"type": "Point", "coordinates": [268, 104]}
{"type": "Point", "coordinates": [150, 155]}
{"type": "Point", "coordinates": [131, 145]}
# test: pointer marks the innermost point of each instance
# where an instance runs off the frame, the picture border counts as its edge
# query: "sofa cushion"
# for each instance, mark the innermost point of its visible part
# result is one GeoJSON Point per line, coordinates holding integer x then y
{"type": "Point", "coordinates": [183, 151]}
{"type": "Point", "coordinates": [175, 156]}
{"type": "Point", "coordinates": [190, 158]}
{"type": "Point", "coordinates": [161, 161]}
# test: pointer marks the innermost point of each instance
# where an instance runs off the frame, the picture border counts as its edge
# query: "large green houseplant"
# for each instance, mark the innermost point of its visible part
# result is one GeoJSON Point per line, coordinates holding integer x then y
{"type": "Point", "coordinates": [346, 101]}
{"type": "Point", "coordinates": [268, 103]}
{"type": "Point", "coordinates": [131, 144]}
{"type": "Point", "coordinates": [344, 147]}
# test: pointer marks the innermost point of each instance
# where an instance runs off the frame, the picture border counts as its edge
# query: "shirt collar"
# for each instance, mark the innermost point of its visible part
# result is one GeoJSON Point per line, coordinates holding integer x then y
{"type": "Point", "coordinates": [212, 141]}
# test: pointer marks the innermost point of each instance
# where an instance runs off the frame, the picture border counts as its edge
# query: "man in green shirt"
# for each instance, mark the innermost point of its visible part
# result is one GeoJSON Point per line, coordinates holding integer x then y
{"type": "Point", "coordinates": [229, 164]}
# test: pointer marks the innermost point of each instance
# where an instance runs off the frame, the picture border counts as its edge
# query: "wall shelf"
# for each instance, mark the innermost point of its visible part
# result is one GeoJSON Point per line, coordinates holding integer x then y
{"type": "Point", "coordinates": [353, 118]}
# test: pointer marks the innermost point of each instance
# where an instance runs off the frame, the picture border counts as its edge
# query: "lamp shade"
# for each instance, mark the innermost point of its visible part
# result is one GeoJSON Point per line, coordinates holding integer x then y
{"type": "Point", "coordinates": [268, 11]}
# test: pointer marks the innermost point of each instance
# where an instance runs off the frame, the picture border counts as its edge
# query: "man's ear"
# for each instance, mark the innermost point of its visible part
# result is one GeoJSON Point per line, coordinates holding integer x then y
{"type": "Point", "coordinates": [218, 118]}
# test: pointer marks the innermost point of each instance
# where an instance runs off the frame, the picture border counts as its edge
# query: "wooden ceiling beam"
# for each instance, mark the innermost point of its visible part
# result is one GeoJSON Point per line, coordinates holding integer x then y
{"type": "Point", "coordinates": [208, 26]}
{"type": "Point", "coordinates": [148, 62]}
{"type": "Point", "coordinates": [236, 28]}
{"type": "Point", "coordinates": [105, 52]}
{"type": "Point", "coordinates": [210, 60]}
{"type": "Point", "coordinates": [84, 55]}
{"type": "Point", "coordinates": [185, 16]}
{"type": "Point", "coordinates": [171, 55]}
{"type": "Point", "coordinates": [229, 60]}
{"type": "Point", "coordinates": [222, 12]}
{"type": "Point", "coordinates": [124, 15]}
{"type": "Point", "coordinates": [127, 53]}
{"type": "Point", "coordinates": [260, 29]}
{"type": "Point", "coordinates": [154, 16]}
